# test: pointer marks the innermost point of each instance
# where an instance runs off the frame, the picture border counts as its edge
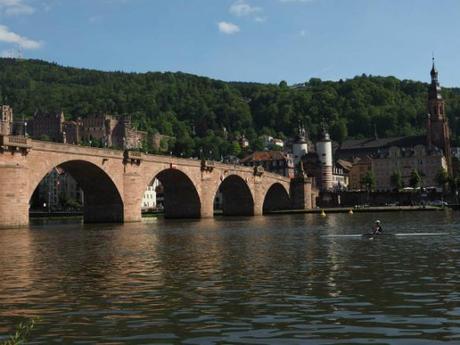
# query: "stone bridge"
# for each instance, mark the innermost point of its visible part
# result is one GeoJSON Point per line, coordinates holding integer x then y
{"type": "Point", "coordinates": [114, 183]}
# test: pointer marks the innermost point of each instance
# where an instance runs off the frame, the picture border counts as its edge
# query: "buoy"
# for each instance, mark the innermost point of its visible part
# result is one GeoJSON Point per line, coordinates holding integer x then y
{"type": "Point", "coordinates": [350, 211]}
{"type": "Point", "coordinates": [323, 214]}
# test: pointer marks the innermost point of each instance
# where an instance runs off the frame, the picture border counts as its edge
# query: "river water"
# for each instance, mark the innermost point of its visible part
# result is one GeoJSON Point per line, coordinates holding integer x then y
{"type": "Point", "coordinates": [264, 280]}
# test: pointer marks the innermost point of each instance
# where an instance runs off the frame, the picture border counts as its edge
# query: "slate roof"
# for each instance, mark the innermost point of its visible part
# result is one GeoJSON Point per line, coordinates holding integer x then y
{"type": "Point", "coordinates": [376, 143]}
{"type": "Point", "coordinates": [260, 156]}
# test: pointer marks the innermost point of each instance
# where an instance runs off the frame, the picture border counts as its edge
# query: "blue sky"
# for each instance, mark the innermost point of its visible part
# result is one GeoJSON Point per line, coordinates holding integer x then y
{"type": "Point", "coordinates": [246, 40]}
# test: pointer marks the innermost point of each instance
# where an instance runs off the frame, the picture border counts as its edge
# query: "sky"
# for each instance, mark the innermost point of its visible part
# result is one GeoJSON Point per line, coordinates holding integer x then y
{"type": "Point", "coordinates": [240, 40]}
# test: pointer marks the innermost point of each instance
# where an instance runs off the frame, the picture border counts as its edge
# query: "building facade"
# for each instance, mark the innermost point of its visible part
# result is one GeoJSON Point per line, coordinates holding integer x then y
{"type": "Point", "coordinates": [404, 162]}
{"type": "Point", "coordinates": [149, 200]}
{"type": "Point", "coordinates": [97, 130]}
{"type": "Point", "coordinates": [278, 162]}
{"type": "Point", "coordinates": [58, 191]}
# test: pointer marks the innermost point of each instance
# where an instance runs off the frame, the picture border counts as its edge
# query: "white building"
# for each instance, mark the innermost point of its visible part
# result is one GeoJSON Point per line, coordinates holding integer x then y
{"type": "Point", "coordinates": [149, 201]}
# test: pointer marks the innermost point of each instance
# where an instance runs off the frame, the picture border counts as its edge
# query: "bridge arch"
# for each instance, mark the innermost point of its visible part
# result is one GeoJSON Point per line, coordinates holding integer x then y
{"type": "Point", "coordinates": [237, 198]}
{"type": "Point", "coordinates": [181, 198]}
{"type": "Point", "coordinates": [276, 198]}
{"type": "Point", "coordinates": [103, 200]}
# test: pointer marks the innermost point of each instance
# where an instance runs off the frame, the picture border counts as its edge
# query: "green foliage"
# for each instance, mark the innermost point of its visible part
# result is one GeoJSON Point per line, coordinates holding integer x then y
{"type": "Point", "coordinates": [368, 181]}
{"type": "Point", "coordinates": [415, 179]}
{"type": "Point", "coordinates": [442, 177]}
{"type": "Point", "coordinates": [195, 110]}
{"type": "Point", "coordinates": [396, 180]}
{"type": "Point", "coordinates": [22, 332]}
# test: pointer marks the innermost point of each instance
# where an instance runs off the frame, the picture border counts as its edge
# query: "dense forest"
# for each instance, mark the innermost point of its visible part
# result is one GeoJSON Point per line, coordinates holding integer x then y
{"type": "Point", "coordinates": [205, 114]}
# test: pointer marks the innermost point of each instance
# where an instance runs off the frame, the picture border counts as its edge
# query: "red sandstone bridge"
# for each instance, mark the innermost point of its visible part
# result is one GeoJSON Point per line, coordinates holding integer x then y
{"type": "Point", "coordinates": [114, 183]}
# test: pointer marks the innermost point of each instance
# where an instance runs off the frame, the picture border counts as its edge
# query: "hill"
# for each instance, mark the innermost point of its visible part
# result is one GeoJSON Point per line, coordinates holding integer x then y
{"type": "Point", "coordinates": [209, 114]}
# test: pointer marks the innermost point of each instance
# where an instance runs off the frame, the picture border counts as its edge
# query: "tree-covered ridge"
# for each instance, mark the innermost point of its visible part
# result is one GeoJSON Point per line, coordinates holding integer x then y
{"type": "Point", "coordinates": [203, 113]}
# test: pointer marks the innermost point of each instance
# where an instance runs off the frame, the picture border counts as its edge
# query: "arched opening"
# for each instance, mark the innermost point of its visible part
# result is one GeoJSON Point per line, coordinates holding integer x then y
{"type": "Point", "coordinates": [277, 198]}
{"type": "Point", "coordinates": [179, 198]}
{"type": "Point", "coordinates": [75, 185]}
{"type": "Point", "coordinates": [234, 197]}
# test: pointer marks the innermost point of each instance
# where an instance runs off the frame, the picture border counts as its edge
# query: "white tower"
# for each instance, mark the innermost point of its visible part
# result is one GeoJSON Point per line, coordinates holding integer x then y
{"type": "Point", "coordinates": [300, 145]}
{"type": "Point", "coordinates": [324, 151]}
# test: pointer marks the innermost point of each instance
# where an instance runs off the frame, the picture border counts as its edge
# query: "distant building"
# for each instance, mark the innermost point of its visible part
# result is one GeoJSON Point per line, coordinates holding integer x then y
{"type": "Point", "coordinates": [160, 142]}
{"type": "Point", "coordinates": [274, 161]}
{"type": "Point", "coordinates": [99, 130]}
{"type": "Point", "coordinates": [340, 175]}
{"type": "Point", "coordinates": [47, 125]}
{"type": "Point", "coordinates": [427, 154]}
{"type": "Point", "coordinates": [149, 200]}
{"type": "Point", "coordinates": [360, 167]}
{"type": "Point", "coordinates": [404, 161]}
{"type": "Point", "coordinates": [270, 142]}
{"type": "Point", "coordinates": [72, 132]}
{"type": "Point", "coordinates": [244, 142]}
{"type": "Point", "coordinates": [58, 191]}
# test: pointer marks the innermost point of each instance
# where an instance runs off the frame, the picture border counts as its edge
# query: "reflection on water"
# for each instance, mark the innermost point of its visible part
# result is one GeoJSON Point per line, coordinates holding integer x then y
{"type": "Point", "coordinates": [263, 280]}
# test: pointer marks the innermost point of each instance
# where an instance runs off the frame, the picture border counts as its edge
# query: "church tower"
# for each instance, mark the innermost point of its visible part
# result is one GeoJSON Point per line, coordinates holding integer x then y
{"type": "Point", "coordinates": [438, 127]}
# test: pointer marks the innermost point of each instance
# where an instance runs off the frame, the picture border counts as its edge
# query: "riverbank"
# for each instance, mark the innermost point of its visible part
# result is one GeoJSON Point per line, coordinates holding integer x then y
{"type": "Point", "coordinates": [361, 209]}
{"type": "Point", "coordinates": [70, 215]}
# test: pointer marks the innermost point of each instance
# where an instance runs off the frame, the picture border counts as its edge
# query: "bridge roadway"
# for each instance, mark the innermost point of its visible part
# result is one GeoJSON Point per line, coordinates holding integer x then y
{"type": "Point", "coordinates": [114, 182]}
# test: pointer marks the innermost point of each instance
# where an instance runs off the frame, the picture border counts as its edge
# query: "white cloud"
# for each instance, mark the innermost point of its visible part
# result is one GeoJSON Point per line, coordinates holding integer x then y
{"type": "Point", "coordinates": [260, 19]}
{"type": "Point", "coordinates": [11, 37]}
{"type": "Point", "coordinates": [228, 28]}
{"type": "Point", "coordinates": [15, 7]}
{"type": "Point", "coordinates": [241, 8]}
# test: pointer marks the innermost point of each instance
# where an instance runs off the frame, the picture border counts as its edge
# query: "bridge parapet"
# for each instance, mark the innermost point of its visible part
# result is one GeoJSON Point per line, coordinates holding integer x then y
{"type": "Point", "coordinates": [15, 143]}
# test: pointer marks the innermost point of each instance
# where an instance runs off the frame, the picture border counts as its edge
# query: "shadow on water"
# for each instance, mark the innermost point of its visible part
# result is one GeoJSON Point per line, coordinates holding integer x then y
{"type": "Point", "coordinates": [260, 280]}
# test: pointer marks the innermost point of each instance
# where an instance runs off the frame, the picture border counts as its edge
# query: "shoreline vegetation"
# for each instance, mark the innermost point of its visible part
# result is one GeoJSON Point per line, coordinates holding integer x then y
{"type": "Point", "coordinates": [22, 332]}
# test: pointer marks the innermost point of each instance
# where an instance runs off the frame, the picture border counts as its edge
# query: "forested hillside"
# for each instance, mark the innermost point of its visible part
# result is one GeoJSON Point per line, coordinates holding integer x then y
{"type": "Point", "coordinates": [196, 110]}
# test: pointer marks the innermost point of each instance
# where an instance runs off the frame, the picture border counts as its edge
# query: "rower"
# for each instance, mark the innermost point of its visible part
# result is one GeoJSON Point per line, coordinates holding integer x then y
{"type": "Point", "coordinates": [377, 228]}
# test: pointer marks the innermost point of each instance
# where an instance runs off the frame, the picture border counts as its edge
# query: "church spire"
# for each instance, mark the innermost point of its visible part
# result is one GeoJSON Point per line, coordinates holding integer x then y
{"type": "Point", "coordinates": [435, 88]}
{"type": "Point", "coordinates": [434, 73]}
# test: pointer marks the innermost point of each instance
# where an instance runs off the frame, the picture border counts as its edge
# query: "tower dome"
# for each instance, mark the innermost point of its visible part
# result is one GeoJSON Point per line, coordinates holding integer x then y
{"type": "Point", "coordinates": [300, 145]}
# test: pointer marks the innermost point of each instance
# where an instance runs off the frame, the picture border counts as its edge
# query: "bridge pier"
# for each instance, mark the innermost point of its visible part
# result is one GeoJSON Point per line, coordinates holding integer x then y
{"type": "Point", "coordinates": [14, 202]}
{"type": "Point", "coordinates": [303, 194]}
{"type": "Point", "coordinates": [133, 189]}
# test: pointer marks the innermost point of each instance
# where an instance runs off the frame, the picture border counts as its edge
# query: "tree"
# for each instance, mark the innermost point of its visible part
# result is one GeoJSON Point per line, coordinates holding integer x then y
{"type": "Point", "coordinates": [368, 181]}
{"type": "Point", "coordinates": [339, 131]}
{"type": "Point", "coordinates": [442, 177]}
{"type": "Point", "coordinates": [396, 180]}
{"type": "Point", "coordinates": [415, 179]}
{"type": "Point", "coordinates": [235, 149]}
